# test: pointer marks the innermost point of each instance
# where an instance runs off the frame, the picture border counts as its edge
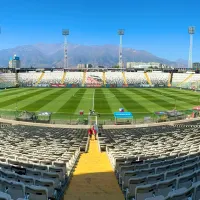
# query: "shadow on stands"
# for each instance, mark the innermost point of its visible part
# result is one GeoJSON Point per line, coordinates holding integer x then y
{"type": "Point", "coordinates": [94, 186]}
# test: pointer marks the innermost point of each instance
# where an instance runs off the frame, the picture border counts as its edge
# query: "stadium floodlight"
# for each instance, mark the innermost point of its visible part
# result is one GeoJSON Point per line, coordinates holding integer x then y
{"type": "Point", "coordinates": [191, 31]}
{"type": "Point", "coordinates": [120, 33]}
{"type": "Point", "coordinates": [65, 33]}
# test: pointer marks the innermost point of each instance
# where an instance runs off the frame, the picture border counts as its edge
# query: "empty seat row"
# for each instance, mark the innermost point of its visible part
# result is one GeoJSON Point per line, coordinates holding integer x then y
{"type": "Point", "coordinates": [143, 157]}
{"type": "Point", "coordinates": [36, 162]}
{"type": "Point", "coordinates": [19, 191]}
{"type": "Point", "coordinates": [185, 166]}
{"type": "Point", "coordinates": [154, 192]}
{"type": "Point", "coordinates": [161, 186]}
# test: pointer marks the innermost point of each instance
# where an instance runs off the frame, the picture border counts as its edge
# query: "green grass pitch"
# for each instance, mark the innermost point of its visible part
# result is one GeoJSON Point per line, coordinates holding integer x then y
{"type": "Point", "coordinates": [65, 102]}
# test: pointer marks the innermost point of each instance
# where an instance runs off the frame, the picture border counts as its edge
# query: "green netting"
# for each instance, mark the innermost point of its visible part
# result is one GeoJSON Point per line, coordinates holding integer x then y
{"type": "Point", "coordinates": [104, 119]}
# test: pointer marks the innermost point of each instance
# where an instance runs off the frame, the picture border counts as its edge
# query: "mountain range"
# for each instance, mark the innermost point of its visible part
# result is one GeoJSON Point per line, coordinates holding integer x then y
{"type": "Point", "coordinates": [51, 55]}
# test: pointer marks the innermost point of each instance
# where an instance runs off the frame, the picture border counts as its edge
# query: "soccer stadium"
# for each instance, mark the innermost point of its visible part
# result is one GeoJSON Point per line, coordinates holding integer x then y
{"type": "Point", "coordinates": [99, 134]}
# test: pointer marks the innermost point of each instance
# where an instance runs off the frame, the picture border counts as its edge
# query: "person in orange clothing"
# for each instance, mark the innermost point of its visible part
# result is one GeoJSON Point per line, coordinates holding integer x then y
{"type": "Point", "coordinates": [90, 133]}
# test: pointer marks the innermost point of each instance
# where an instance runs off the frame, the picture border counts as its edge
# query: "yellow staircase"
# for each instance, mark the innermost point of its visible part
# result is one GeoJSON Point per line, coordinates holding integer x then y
{"type": "Point", "coordinates": [147, 78]}
{"type": "Point", "coordinates": [104, 78]}
{"type": "Point", "coordinates": [40, 78]}
{"type": "Point", "coordinates": [169, 80]}
{"type": "Point", "coordinates": [63, 78]}
{"type": "Point", "coordinates": [84, 79]}
{"type": "Point", "coordinates": [124, 77]}
{"type": "Point", "coordinates": [186, 79]}
{"type": "Point", "coordinates": [93, 178]}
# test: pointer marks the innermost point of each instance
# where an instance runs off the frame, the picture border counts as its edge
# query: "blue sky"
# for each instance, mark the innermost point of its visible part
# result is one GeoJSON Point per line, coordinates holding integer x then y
{"type": "Point", "coordinates": [158, 26]}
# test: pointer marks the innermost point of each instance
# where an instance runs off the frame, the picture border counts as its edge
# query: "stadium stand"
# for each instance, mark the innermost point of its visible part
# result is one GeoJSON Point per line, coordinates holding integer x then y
{"type": "Point", "coordinates": [161, 162]}
{"type": "Point", "coordinates": [37, 162]}
{"type": "Point", "coordinates": [180, 78]}
{"type": "Point", "coordinates": [150, 163]}
{"type": "Point", "coordinates": [97, 79]}
{"type": "Point", "coordinates": [7, 80]}
{"type": "Point", "coordinates": [29, 78]}
{"type": "Point", "coordinates": [94, 79]}
{"type": "Point", "coordinates": [136, 79]}
{"type": "Point", "coordinates": [159, 78]}
{"type": "Point", "coordinates": [74, 78]}
{"type": "Point", "coordinates": [114, 78]}
{"type": "Point", "coordinates": [52, 77]}
{"type": "Point", "coordinates": [193, 78]}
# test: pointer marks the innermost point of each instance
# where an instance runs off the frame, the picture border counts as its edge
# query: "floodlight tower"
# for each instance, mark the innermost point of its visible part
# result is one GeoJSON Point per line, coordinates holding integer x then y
{"type": "Point", "coordinates": [191, 31]}
{"type": "Point", "coordinates": [65, 33]}
{"type": "Point", "coordinates": [120, 33]}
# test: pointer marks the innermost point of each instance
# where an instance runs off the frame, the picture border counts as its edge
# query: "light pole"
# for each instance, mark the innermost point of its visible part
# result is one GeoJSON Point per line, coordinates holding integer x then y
{"type": "Point", "coordinates": [191, 31]}
{"type": "Point", "coordinates": [65, 33]}
{"type": "Point", "coordinates": [120, 33]}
